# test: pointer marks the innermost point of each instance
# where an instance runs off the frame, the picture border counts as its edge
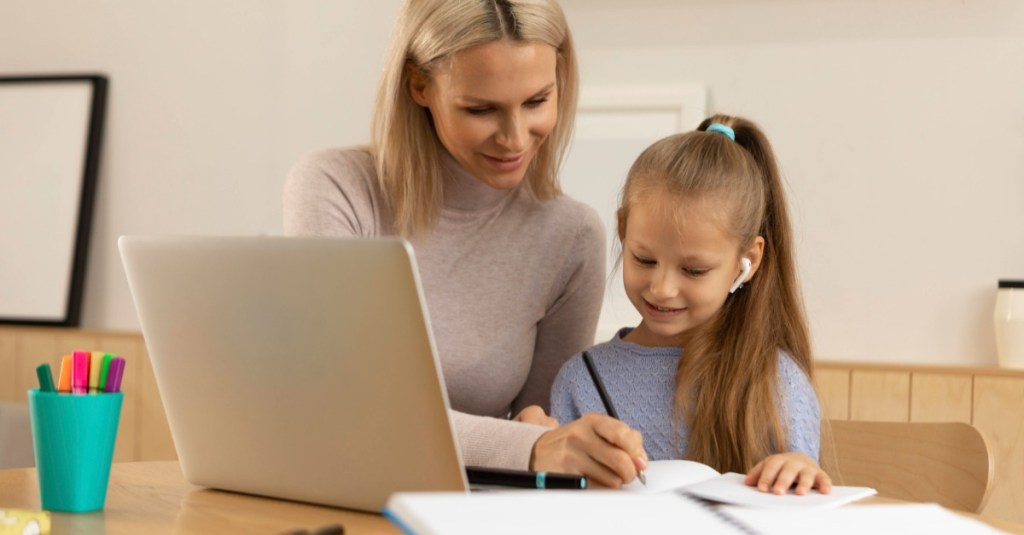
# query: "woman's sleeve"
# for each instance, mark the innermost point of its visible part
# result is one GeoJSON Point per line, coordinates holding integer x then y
{"type": "Point", "coordinates": [801, 409]}
{"type": "Point", "coordinates": [331, 193]}
{"type": "Point", "coordinates": [495, 442]}
{"type": "Point", "coordinates": [569, 324]}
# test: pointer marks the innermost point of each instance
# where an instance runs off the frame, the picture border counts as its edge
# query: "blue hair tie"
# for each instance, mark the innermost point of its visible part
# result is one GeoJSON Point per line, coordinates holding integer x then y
{"type": "Point", "coordinates": [722, 129]}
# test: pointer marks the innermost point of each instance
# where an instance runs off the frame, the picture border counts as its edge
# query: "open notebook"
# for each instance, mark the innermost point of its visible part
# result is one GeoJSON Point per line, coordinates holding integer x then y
{"type": "Point", "coordinates": [615, 513]}
{"type": "Point", "coordinates": [672, 499]}
{"type": "Point", "coordinates": [702, 481]}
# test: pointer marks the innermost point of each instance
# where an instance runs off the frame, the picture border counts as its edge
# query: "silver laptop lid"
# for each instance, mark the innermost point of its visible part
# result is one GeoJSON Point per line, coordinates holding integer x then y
{"type": "Point", "coordinates": [299, 368]}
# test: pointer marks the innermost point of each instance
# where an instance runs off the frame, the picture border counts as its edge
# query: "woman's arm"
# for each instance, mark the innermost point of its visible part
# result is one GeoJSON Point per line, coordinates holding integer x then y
{"type": "Point", "coordinates": [569, 324]}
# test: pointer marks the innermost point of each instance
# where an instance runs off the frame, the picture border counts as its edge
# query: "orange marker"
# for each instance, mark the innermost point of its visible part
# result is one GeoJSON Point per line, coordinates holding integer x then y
{"type": "Point", "coordinates": [64, 382]}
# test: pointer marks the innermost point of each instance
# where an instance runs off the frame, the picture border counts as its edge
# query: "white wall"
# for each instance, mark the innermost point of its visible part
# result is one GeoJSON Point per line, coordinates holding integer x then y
{"type": "Point", "coordinates": [900, 127]}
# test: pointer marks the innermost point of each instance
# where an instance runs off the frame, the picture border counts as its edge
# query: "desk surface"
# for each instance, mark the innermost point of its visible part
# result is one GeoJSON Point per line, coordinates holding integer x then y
{"type": "Point", "coordinates": [153, 497]}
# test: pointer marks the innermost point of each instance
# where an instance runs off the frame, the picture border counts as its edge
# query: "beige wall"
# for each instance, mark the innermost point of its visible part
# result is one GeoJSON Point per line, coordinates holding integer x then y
{"type": "Point", "coordinates": [900, 126]}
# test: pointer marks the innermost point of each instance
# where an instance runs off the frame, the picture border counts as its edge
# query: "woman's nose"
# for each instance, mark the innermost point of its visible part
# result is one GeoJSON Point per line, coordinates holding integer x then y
{"type": "Point", "coordinates": [513, 133]}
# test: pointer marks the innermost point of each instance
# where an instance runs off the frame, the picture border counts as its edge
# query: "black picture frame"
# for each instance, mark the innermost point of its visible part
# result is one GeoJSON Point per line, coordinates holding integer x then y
{"type": "Point", "coordinates": [23, 307]}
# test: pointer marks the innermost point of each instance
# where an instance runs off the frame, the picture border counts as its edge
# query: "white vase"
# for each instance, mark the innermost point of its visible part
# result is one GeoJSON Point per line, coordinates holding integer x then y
{"type": "Point", "coordinates": [1009, 322]}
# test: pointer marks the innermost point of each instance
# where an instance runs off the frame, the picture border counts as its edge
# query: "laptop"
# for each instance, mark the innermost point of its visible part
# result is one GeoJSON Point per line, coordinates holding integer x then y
{"type": "Point", "coordinates": [295, 368]}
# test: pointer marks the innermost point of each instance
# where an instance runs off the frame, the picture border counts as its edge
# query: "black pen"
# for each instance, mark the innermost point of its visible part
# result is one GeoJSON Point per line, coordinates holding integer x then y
{"type": "Point", "coordinates": [606, 400]}
{"type": "Point", "coordinates": [520, 478]}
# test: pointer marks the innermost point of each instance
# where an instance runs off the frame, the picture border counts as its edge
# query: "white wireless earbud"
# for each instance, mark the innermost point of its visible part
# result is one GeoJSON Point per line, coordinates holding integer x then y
{"type": "Point", "coordinates": [745, 270]}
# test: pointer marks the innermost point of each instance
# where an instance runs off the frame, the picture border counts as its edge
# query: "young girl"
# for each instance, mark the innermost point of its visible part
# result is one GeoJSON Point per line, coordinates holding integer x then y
{"type": "Point", "coordinates": [718, 371]}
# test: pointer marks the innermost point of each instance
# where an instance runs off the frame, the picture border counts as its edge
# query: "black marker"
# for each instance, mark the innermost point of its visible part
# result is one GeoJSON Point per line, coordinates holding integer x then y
{"type": "Point", "coordinates": [606, 401]}
{"type": "Point", "coordinates": [524, 479]}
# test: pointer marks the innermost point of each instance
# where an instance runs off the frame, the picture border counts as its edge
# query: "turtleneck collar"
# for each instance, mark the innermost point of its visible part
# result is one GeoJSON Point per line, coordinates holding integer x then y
{"type": "Point", "coordinates": [465, 193]}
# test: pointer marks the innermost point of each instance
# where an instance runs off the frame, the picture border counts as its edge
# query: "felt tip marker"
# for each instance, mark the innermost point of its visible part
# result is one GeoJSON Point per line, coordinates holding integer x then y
{"type": "Point", "coordinates": [64, 381]}
{"type": "Point", "coordinates": [45, 378]}
{"type": "Point", "coordinates": [524, 479]}
{"type": "Point", "coordinates": [101, 385]}
{"type": "Point", "coordinates": [80, 372]}
{"type": "Point", "coordinates": [114, 374]}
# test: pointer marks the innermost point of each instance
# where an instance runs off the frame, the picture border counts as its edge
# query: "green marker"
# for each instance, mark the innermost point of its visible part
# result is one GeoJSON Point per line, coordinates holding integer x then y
{"type": "Point", "coordinates": [45, 378]}
{"type": "Point", "coordinates": [103, 371]}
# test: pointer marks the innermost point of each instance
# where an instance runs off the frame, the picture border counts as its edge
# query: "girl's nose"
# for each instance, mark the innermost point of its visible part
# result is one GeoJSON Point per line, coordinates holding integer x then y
{"type": "Point", "coordinates": [663, 284]}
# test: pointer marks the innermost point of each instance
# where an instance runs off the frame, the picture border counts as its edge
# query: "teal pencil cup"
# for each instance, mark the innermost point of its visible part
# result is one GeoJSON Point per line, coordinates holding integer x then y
{"type": "Point", "coordinates": [73, 436]}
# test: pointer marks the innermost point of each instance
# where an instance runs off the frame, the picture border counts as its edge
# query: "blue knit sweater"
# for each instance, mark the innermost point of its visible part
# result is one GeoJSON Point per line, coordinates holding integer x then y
{"type": "Point", "coordinates": [641, 384]}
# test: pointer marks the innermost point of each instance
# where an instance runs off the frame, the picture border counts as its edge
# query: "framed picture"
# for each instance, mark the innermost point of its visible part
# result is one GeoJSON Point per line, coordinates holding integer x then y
{"type": "Point", "coordinates": [50, 134]}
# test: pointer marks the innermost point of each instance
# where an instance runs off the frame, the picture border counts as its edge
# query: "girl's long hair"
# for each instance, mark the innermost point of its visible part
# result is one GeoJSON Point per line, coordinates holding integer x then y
{"type": "Point", "coordinates": [726, 382]}
{"type": "Point", "coordinates": [405, 147]}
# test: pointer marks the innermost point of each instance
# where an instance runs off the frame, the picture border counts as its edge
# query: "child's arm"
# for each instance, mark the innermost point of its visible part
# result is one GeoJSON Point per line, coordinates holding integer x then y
{"type": "Point", "coordinates": [778, 473]}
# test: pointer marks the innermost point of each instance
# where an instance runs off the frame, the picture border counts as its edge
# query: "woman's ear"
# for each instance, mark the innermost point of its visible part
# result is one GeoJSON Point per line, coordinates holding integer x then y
{"type": "Point", "coordinates": [418, 82]}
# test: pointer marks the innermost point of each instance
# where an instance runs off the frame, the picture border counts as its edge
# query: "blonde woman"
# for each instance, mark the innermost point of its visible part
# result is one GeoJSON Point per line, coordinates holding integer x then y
{"type": "Point", "coordinates": [473, 114]}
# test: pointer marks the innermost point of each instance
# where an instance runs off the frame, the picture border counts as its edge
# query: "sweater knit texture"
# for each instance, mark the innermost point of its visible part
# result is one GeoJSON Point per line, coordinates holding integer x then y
{"type": "Point", "coordinates": [640, 382]}
{"type": "Point", "coordinates": [513, 287]}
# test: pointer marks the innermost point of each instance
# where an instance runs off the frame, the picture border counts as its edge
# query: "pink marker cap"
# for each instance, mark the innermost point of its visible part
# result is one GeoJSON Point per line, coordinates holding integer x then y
{"type": "Point", "coordinates": [80, 372]}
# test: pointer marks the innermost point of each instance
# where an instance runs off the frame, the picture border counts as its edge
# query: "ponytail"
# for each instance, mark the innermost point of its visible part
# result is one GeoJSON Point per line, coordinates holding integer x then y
{"type": "Point", "coordinates": [726, 382]}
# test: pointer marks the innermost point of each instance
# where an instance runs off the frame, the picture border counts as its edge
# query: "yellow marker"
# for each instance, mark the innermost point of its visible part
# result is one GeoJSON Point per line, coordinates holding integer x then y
{"type": "Point", "coordinates": [95, 363]}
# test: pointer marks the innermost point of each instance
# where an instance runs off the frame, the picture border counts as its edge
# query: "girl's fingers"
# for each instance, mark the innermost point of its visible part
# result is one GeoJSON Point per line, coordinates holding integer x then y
{"type": "Point", "coordinates": [769, 473]}
{"type": "Point", "coordinates": [806, 481]}
{"type": "Point", "coordinates": [754, 474]}
{"type": "Point", "coordinates": [788, 473]}
{"type": "Point", "coordinates": [824, 482]}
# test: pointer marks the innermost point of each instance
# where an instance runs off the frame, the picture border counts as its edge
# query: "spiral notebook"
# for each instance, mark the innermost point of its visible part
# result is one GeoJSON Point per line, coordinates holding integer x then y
{"type": "Point", "coordinates": [593, 512]}
{"type": "Point", "coordinates": [615, 513]}
{"type": "Point", "coordinates": [678, 493]}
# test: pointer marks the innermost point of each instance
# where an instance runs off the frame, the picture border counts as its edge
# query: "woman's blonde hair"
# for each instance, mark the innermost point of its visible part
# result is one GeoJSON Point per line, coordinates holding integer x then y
{"type": "Point", "coordinates": [405, 147]}
{"type": "Point", "coordinates": [726, 382]}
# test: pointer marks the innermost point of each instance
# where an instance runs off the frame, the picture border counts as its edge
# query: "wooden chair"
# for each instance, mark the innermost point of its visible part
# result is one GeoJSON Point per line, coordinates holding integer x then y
{"type": "Point", "coordinates": [945, 463]}
{"type": "Point", "coordinates": [15, 436]}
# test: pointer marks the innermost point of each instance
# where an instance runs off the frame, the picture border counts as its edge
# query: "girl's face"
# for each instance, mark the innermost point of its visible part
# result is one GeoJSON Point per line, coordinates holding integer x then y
{"type": "Point", "coordinates": [678, 263]}
{"type": "Point", "coordinates": [493, 107]}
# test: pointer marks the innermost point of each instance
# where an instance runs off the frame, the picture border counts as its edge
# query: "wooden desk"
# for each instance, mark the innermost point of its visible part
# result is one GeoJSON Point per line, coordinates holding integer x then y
{"type": "Point", "coordinates": [153, 497]}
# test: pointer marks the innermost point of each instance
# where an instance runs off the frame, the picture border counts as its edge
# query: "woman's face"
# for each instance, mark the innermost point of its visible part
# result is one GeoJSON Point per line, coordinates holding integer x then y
{"type": "Point", "coordinates": [493, 106]}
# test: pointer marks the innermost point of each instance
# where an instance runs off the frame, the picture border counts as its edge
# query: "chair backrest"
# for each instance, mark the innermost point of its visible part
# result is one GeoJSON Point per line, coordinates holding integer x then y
{"type": "Point", "coordinates": [945, 463]}
{"type": "Point", "coordinates": [15, 436]}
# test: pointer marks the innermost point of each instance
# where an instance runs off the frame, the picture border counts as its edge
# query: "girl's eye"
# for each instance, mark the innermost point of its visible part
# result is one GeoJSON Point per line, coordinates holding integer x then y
{"type": "Point", "coordinates": [695, 272]}
{"type": "Point", "coordinates": [644, 261]}
{"type": "Point", "coordinates": [536, 102]}
{"type": "Point", "coordinates": [478, 111]}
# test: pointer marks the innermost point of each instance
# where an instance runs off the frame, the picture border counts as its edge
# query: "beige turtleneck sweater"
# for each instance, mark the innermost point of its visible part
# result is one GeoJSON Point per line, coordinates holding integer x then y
{"type": "Point", "coordinates": [513, 287]}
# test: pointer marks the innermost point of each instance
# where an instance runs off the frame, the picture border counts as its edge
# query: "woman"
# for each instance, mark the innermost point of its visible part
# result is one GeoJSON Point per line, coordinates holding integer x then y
{"type": "Point", "coordinates": [473, 114]}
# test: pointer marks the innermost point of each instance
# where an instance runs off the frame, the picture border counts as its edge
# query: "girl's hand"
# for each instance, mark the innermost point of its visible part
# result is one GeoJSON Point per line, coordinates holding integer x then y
{"type": "Point", "coordinates": [598, 446]}
{"type": "Point", "coordinates": [777, 473]}
{"type": "Point", "coordinates": [534, 414]}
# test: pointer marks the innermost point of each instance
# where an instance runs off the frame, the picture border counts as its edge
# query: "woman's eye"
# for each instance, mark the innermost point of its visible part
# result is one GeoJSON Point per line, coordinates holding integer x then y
{"type": "Point", "coordinates": [695, 272]}
{"type": "Point", "coordinates": [536, 102]}
{"type": "Point", "coordinates": [478, 111]}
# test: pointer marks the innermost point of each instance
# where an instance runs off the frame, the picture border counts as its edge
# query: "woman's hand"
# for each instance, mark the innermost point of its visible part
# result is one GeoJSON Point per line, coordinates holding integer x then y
{"type": "Point", "coordinates": [534, 414]}
{"type": "Point", "coordinates": [600, 447]}
{"type": "Point", "coordinates": [777, 473]}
